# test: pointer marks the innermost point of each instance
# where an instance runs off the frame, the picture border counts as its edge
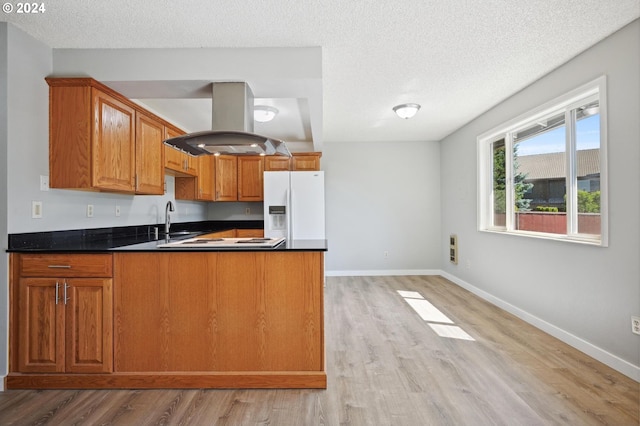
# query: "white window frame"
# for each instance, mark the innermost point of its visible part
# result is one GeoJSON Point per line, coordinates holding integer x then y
{"type": "Point", "coordinates": [566, 102]}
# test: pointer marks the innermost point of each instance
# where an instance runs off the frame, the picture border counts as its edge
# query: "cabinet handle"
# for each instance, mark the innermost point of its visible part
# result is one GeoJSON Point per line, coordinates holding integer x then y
{"type": "Point", "coordinates": [57, 292]}
{"type": "Point", "coordinates": [66, 286]}
{"type": "Point", "coordinates": [60, 266]}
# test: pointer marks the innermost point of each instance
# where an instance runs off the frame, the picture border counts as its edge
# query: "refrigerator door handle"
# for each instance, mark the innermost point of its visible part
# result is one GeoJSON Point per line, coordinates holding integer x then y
{"type": "Point", "coordinates": [290, 222]}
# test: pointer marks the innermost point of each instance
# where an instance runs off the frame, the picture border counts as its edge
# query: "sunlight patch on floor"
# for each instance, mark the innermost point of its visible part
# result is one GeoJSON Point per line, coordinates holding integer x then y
{"type": "Point", "coordinates": [427, 311]}
{"type": "Point", "coordinates": [450, 331]}
{"type": "Point", "coordinates": [439, 322]}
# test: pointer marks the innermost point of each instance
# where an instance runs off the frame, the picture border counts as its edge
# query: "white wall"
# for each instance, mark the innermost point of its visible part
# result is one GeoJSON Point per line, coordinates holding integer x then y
{"type": "Point", "coordinates": [583, 294]}
{"type": "Point", "coordinates": [382, 197]}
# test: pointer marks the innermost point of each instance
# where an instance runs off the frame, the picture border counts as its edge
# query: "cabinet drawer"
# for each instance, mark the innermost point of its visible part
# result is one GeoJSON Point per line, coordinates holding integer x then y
{"type": "Point", "coordinates": [66, 265]}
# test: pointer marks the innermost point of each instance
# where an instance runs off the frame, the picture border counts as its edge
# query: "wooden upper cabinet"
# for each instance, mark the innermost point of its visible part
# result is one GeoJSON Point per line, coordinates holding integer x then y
{"type": "Point", "coordinates": [91, 137]}
{"type": "Point", "coordinates": [305, 161]}
{"type": "Point", "coordinates": [200, 187]}
{"type": "Point", "coordinates": [250, 178]}
{"type": "Point", "coordinates": [206, 178]}
{"type": "Point", "coordinates": [276, 163]}
{"type": "Point", "coordinates": [175, 161]}
{"type": "Point", "coordinates": [149, 155]}
{"type": "Point", "coordinates": [114, 154]}
{"type": "Point", "coordinates": [226, 180]}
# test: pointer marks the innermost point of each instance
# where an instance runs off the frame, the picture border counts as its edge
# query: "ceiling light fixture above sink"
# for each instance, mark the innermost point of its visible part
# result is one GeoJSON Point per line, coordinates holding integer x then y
{"type": "Point", "coordinates": [406, 110]}
{"type": "Point", "coordinates": [264, 113]}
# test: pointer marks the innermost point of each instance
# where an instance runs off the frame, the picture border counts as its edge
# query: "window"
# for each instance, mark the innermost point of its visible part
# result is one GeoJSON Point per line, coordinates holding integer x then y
{"type": "Point", "coordinates": [543, 174]}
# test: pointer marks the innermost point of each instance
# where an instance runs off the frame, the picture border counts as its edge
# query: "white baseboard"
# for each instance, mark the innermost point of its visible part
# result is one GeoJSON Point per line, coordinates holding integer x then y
{"type": "Point", "coordinates": [618, 364]}
{"type": "Point", "coordinates": [382, 272]}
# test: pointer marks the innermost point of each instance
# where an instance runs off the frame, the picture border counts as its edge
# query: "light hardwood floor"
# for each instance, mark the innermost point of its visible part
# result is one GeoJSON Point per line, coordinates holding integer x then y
{"type": "Point", "coordinates": [385, 366]}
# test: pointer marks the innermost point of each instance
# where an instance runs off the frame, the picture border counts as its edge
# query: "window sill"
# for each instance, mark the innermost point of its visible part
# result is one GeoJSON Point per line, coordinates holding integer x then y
{"type": "Point", "coordinates": [585, 240]}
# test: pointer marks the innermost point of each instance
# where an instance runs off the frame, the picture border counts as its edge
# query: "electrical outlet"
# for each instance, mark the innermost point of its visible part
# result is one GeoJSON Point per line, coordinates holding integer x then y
{"type": "Point", "coordinates": [36, 209]}
{"type": "Point", "coordinates": [247, 211]}
{"type": "Point", "coordinates": [635, 325]}
{"type": "Point", "coordinates": [386, 254]}
{"type": "Point", "coordinates": [89, 210]}
{"type": "Point", "coordinates": [117, 211]}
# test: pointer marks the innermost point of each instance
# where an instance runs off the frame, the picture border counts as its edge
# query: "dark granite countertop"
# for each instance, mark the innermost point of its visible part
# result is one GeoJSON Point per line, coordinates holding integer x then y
{"type": "Point", "coordinates": [140, 238]}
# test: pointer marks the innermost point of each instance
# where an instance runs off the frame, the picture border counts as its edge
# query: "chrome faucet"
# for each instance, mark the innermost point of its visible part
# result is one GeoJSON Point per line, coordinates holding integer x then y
{"type": "Point", "coordinates": [167, 217]}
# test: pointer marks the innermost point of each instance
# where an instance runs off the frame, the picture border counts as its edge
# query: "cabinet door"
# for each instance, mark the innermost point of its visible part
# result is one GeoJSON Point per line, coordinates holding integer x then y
{"type": "Point", "coordinates": [306, 161]}
{"type": "Point", "coordinates": [276, 163]}
{"type": "Point", "coordinates": [41, 326]}
{"type": "Point", "coordinates": [226, 172]}
{"type": "Point", "coordinates": [88, 320]}
{"type": "Point", "coordinates": [149, 156]}
{"type": "Point", "coordinates": [113, 144]}
{"type": "Point", "coordinates": [206, 178]}
{"type": "Point", "coordinates": [250, 182]}
{"type": "Point", "coordinates": [165, 313]}
{"type": "Point", "coordinates": [175, 160]}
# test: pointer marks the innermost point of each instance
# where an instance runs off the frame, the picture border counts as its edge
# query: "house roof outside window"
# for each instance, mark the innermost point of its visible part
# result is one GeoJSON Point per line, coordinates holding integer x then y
{"type": "Point", "coordinates": [552, 165]}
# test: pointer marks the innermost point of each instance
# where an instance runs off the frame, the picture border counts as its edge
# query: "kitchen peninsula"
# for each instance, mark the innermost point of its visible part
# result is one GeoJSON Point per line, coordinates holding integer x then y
{"type": "Point", "coordinates": [140, 316]}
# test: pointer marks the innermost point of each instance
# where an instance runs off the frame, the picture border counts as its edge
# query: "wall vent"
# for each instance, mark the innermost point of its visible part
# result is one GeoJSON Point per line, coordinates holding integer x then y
{"type": "Point", "coordinates": [453, 249]}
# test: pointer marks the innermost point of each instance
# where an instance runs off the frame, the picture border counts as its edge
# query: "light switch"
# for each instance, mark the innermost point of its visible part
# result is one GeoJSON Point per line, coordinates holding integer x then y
{"type": "Point", "coordinates": [44, 183]}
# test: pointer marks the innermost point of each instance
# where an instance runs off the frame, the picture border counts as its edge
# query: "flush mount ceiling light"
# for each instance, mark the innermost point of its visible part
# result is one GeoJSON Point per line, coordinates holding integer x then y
{"type": "Point", "coordinates": [264, 113]}
{"type": "Point", "coordinates": [406, 110]}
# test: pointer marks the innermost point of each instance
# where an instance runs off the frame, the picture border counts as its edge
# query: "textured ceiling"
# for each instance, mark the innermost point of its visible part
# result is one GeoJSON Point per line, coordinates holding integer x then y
{"type": "Point", "coordinates": [457, 58]}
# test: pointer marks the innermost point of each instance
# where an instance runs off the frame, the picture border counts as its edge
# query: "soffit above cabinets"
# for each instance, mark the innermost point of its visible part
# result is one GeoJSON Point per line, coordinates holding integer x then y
{"type": "Point", "coordinates": [456, 59]}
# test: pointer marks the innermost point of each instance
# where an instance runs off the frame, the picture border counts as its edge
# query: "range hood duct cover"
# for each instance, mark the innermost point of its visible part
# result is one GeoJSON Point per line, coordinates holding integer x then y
{"type": "Point", "coordinates": [232, 124]}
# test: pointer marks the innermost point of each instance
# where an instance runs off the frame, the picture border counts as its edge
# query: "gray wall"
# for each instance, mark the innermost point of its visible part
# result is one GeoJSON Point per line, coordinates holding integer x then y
{"type": "Point", "coordinates": [30, 61]}
{"type": "Point", "coordinates": [583, 294]}
{"type": "Point", "coordinates": [382, 197]}
{"type": "Point", "coordinates": [4, 269]}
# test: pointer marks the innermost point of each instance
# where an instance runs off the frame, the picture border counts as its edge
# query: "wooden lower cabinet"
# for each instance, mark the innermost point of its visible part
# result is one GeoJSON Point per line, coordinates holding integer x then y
{"type": "Point", "coordinates": [228, 233]}
{"type": "Point", "coordinates": [72, 335]}
{"type": "Point", "coordinates": [249, 233]}
{"type": "Point", "coordinates": [63, 322]}
{"type": "Point", "coordinates": [180, 320]}
{"type": "Point", "coordinates": [219, 312]}
{"type": "Point", "coordinates": [236, 233]}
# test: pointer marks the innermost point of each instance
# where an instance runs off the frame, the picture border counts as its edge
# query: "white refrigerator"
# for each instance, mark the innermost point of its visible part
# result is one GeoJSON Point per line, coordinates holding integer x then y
{"type": "Point", "coordinates": [294, 205]}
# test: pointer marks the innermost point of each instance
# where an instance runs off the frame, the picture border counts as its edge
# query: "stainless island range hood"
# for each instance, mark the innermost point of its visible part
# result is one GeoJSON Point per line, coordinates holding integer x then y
{"type": "Point", "coordinates": [232, 124]}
